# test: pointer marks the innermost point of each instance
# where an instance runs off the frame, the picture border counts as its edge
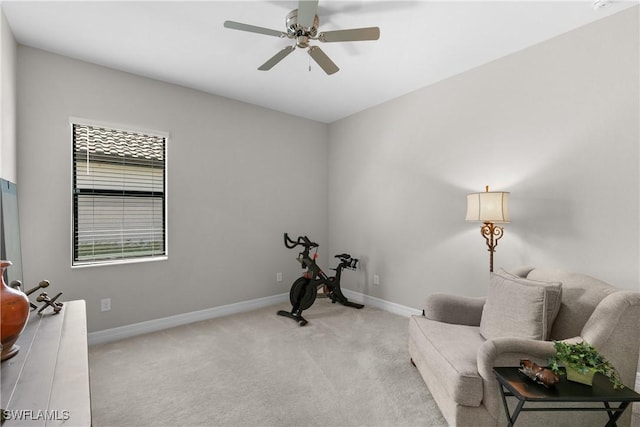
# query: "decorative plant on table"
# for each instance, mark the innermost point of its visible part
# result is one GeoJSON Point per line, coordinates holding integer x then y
{"type": "Point", "coordinates": [585, 361]}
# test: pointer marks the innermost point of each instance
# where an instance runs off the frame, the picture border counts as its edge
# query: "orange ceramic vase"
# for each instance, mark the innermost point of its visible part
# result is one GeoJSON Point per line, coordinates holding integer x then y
{"type": "Point", "coordinates": [14, 312]}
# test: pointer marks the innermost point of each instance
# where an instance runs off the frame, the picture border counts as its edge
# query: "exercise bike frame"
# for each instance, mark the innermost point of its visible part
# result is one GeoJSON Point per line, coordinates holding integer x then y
{"type": "Point", "coordinates": [304, 289]}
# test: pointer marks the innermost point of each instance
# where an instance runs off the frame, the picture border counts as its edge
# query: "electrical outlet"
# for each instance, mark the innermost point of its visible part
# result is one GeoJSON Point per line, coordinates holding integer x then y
{"type": "Point", "coordinates": [279, 276]}
{"type": "Point", "coordinates": [105, 304]}
{"type": "Point", "coordinates": [376, 279]}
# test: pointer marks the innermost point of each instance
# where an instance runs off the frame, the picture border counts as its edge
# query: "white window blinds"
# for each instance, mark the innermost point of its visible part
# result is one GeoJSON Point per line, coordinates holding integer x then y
{"type": "Point", "coordinates": [119, 180]}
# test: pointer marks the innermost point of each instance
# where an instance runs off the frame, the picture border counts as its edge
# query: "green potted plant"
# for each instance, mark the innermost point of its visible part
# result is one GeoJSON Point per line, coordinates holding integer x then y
{"type": "Point", "coordinates": [581, 362]}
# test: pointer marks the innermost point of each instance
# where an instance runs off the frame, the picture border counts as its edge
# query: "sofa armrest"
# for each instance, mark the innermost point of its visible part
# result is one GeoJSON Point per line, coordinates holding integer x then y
{"type": "Point", "coordinates": [618, 313]}
{"type": "Point", "coordinates": [508, 351]}
{"type": "Point", "coordinates": [455, 309]}
{"type": "Point", "coordinates": [613, 330]}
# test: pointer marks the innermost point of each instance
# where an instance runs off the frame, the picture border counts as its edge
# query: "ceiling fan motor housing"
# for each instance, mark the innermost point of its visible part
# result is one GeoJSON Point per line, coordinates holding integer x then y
{"type": "Point", "coordinates": [298, 32]}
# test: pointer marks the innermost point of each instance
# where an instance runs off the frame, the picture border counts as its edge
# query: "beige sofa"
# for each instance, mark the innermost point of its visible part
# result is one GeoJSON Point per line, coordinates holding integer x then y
{"type": "Point", "coordinates": [448, 345]}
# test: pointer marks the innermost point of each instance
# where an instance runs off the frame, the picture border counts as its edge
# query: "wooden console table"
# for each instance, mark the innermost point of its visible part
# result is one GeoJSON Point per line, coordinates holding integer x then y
{"type": "Point", "coordinates": [513, 383]}
{"type": "Point", "coordinates": [47, 382]}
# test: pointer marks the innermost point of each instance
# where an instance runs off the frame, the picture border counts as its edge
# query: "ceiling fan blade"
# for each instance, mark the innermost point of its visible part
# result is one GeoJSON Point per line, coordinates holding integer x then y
{"type": "Point", "coordinates": [352, 35]}
{"type": "Point", "coordinates": [253, 29]}
{"type": "Point", "coordinates": [307, 10]}
{"type": "Point", "coordinates": [276, 58]}
{"type": "Point", "coordinates": [323, 60]}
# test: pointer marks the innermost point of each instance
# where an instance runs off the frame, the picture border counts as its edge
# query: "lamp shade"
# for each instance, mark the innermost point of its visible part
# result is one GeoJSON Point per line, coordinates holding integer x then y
{"type": "Point", "coordinates": [490, 206]}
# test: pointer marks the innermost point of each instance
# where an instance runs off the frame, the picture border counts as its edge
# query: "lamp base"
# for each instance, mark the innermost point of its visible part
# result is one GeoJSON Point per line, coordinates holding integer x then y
{"type": "Point", "coordinates": [491, 233]}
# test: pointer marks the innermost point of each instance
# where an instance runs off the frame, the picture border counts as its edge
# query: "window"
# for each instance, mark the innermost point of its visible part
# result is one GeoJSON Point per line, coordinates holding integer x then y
{"type": "Point", "coordinates": [119, 181]}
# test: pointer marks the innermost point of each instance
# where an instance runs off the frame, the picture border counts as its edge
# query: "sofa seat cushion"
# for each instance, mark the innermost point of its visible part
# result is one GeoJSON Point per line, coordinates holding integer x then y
{"type": "Point", "coordinates": [452, 354]}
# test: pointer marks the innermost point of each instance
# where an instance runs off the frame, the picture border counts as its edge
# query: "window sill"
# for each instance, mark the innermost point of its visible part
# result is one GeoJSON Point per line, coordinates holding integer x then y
{"type": "Point", "coordinates": [86, 264]}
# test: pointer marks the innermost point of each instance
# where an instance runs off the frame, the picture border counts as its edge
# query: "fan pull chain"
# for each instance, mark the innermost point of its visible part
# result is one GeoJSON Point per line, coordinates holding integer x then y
{"type": "Point", "coordinates": [309, 58]}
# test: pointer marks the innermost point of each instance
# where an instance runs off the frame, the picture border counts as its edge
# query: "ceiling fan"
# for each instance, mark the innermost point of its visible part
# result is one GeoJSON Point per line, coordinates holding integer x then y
{"type": "Point", "coordinates": [302, 26]}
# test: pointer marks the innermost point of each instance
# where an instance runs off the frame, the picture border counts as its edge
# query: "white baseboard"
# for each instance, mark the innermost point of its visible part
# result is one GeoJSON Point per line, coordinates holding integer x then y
{"type": "Point", "coordinates": [128, 331]}
{"type": "Point", "coordinates": [391, 307]}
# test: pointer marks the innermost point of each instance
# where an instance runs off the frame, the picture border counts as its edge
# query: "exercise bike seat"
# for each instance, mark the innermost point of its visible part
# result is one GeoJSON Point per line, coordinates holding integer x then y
{"type": "Point", "coordinates": [345, 256]}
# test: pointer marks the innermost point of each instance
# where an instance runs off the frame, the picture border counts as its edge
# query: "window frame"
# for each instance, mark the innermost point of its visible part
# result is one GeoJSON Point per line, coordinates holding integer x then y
{"type": "Point", "coordinates": [117, 127]}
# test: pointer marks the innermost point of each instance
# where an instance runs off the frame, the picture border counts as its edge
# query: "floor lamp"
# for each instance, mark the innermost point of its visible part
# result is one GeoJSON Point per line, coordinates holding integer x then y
{"type": "Point", "coordinates": [490, 207]}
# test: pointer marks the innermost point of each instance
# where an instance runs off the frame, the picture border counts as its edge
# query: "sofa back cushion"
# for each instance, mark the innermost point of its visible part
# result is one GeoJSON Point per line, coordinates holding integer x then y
{"type": "Point", "coordinates": [518, 307]}
{"type": "Point", "coordinates": [581, 294]}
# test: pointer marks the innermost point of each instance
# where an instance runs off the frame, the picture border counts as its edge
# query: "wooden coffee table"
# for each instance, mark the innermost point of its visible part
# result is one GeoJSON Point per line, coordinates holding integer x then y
{"type": "Point", "coordinates": [513, 383]}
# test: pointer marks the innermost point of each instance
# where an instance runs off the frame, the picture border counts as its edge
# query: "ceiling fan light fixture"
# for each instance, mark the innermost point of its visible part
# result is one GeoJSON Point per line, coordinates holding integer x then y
{"type": "Point", "coordinates": [302, 41]}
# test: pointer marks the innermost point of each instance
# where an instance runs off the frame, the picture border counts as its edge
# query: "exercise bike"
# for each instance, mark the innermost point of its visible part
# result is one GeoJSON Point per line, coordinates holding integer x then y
{"type": "Point", "coordinates": [305, 289]}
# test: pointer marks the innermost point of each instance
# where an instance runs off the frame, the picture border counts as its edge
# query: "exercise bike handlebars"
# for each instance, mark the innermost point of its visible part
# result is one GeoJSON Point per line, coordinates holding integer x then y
{"type": "Point", "coordinates": [346, 261]}
{"type": "Point", "coordinates": [302, 241]}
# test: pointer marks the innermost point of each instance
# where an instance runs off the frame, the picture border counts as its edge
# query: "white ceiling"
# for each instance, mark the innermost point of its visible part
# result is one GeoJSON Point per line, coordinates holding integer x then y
{"type": "Point", "coordinates": [421, 42]}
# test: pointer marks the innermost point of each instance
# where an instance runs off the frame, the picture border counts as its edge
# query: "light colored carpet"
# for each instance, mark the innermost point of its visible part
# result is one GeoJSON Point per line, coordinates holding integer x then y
{"type": "Point", "coordinates": [347, 367]}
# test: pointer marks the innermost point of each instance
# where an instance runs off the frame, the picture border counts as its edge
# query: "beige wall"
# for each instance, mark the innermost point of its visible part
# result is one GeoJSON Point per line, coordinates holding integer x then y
{"type": "Point", "coordinates": [239, 177]}
{"type": "Point", "coordinates": [8, 161]}
{"type": "Point", "coordinates": [555, 124]}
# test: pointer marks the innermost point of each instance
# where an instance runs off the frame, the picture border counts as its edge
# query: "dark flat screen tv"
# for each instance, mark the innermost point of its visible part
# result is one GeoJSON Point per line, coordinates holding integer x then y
{"type": "Point", "coordinates": [10, 248]}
